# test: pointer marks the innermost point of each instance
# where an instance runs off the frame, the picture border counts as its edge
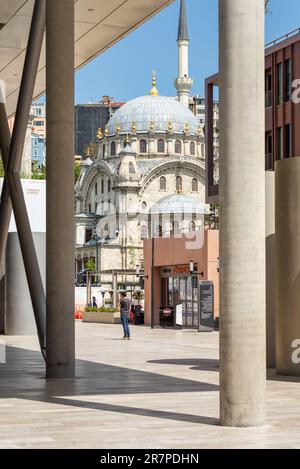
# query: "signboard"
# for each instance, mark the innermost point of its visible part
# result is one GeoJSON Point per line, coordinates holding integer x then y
{"type": "Point", "coordinates": [179, 315]}
{"type": "Point", "coordinates": [206, 307]}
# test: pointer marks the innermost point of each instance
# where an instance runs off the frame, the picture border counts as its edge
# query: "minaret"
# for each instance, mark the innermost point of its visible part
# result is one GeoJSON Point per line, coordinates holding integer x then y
{"type": "Point", "coordinates": [183, 83]}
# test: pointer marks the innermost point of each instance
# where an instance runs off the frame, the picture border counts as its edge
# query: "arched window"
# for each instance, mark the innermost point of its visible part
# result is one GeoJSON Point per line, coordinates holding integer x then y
{"type": "Point", "coordinates": [85, 260]}
{"type": "Point", "coordinates": [192, 226]}
{"type": "Point", "coordinates": [96, 189]}
{"type": "Point", "coordinates": [124, 143]}
{"type": "Point", "coordinates": [195, 185]}
{"type": "Point", "coordinates": [179, 184]}
{"type": "Point", "coordinates": [175, 230]}
{"type": "Point", "coordinates": [193, 149]}
{"type": "Point", "coordinates": [159, 231]}
{"type": "Point", "coordinates": [102, 187]}
{"type": "Point", "coordinates": [108, 186]}
{"type": "Point", "coordinates": [113, 149]}
{"type": "Point", "coordinates": [103, 150]}
{"type": "Point", "coordinates": [144, 232]}
{"type": "Point", "coordinates": [163, 184]}
{"type": "Point", "coordinates": [79, 264]}
{"type": "Point", "coordinates": [161, 146]}
{"type": "Point", "coordinates": [143, 146]}
{"type": "Point", "coordinates": [203, 150]}
{"type": "Point", "coordinates": [178, 147]}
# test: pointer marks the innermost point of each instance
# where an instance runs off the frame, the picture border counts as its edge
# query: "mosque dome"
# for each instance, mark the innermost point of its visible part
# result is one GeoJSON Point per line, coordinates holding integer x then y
{"type": "Point", "coordinates": [178, 203]}
{"type": "Point", "coordinates": [154, 113]}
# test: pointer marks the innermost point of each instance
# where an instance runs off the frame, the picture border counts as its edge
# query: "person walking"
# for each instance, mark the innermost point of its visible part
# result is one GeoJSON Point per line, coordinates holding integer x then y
{"type": "Point", "coordinates": [94, 302]}
{"type": "Point", "coordinates": [125, 305]}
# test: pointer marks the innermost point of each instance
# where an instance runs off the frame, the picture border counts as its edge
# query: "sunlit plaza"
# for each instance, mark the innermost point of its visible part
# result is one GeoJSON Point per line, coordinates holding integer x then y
{"type": "Point", "coordinates": [160, 390]}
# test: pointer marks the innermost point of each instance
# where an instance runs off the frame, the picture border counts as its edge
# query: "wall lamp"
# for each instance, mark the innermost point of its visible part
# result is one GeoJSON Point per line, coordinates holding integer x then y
{"type": "Point", "coordinates": [192, 271]}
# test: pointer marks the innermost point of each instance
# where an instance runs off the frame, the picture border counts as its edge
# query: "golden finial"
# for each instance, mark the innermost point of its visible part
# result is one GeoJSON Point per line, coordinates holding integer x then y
{"type": "Point", "coordinates": [127, 139]}
{"type": "Point", "coordinates": [118, 128]}
{"type": "Point", "coordinates": [88, 153]}
{"type": "Point", "coordinates": [186, 128]}
{"type": "Point", "coordinates": [170, 127]}
{"type": "Point", "coordinates": [106, 131]}
{"type": "Point", "coordinates": [133, 127]}
{"type": "Point", "coordinates": [99, 134]}
{"type": "Point", "coordinates": [154, 91]}
{"type": "Point", "coordinates": [152, 126]}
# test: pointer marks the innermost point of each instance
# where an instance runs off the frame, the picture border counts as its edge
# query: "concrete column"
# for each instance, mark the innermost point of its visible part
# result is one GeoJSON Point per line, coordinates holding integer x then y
{"type": "Point", "coordinates": [19, 318]}
{"type": "Point", "coordinates": [242, 221]}
{"type": "Point", "coordinates": [2, 298]}
{"type": "Point", "coordinates": [287, 272]}
{"type": "Point", "coordinates": [270, 268]}
{"type": "Point", "coordinates": [60, 272]}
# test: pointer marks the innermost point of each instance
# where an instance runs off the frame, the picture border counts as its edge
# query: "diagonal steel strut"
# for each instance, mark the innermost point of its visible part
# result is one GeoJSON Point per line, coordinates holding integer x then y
{"type": "Point", "coordinates": [12, 193]}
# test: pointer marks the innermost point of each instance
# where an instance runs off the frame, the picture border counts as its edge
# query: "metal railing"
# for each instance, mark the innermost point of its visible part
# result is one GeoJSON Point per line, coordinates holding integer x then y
{"type": "Point", "coordinates": [283, 38]}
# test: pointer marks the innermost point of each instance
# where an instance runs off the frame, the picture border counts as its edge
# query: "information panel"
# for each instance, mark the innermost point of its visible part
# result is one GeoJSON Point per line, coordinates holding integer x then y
{"type": "Point", "coordinates": [206, 307]}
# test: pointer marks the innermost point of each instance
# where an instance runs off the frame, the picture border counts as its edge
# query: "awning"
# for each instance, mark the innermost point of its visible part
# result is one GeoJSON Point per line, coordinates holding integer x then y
{"type": "Point", "coordinates": [98, 25]}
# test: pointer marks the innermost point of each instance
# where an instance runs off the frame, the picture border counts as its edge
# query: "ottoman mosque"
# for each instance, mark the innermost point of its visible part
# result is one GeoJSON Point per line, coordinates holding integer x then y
{"type": "Point", "coordinates": [148, 178]}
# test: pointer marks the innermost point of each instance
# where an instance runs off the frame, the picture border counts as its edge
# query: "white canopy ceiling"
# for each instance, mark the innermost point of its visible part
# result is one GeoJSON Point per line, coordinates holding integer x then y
{"type": "Point", "coordinates": [98, 25]}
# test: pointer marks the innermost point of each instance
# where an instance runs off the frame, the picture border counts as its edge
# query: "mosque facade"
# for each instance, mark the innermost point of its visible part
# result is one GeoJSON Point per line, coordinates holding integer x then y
{"type": "Point", "coordinates": [148, 178]}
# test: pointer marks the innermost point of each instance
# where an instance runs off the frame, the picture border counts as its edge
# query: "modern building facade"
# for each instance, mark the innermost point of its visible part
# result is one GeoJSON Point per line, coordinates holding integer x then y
{"type": "Point", "coordinates": [38, 149]}
{"type": "Point", "coordinates": [174, 284]}
{"type": "Point", "coordinates": [88, 119]}
{"type": "Point", "coordinates": [282, 114]}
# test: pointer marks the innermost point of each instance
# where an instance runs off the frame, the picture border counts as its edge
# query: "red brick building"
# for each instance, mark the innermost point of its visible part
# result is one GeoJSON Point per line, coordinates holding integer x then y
{"type": "Point", "coordinates": [282, 68]}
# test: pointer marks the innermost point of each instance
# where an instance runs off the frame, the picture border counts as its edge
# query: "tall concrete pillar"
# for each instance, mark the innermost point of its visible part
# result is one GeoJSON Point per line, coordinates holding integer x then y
{"type": "Point", "coordinates": [270, 269]}
{"type": "Point", "coordinates": [60, 189]}
{"type": "Point", "coordinates": [2, 298]}
{"type": "Point", "coordinates": [287, 248]}
{"type": "Point", "coordinates": [242, 220]}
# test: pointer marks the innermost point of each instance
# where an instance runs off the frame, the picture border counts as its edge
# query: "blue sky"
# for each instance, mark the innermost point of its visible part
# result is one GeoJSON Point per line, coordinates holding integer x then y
{"type": "Point", "coordinates": [124, 71]}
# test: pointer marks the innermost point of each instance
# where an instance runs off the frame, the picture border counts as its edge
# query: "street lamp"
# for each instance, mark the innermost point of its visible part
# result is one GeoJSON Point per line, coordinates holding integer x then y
{"type": "Point", "coordinates": [192, 269]}
{"type": "Point", "coordinates": [97, 239]}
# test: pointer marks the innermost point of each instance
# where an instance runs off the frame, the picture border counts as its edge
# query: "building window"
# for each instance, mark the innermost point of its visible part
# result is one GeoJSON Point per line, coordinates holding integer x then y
{"type": "Point", "coordinates": [268, 82]}
{"type": "Point", "coordinates": [288, 79]}
{"type": "Point", "coordinates": [35, 153]}
{"type": "Point", "coordinates": [35, 142]}
{"type": "Point", "coordinates": [103, 150]}
{"type": "Point", "coordinates": [194, 185]}
{"type": "Point", "coordinates": [279, 144]}
{"type": "Point", "coordinates": [269, 151]}
{"type": "Point", "coordinates": [202, 150]}
{"type": "Point", "coordinates": [113, 149]}
{"type": "Point", "coordinates": [279, 83]}
{"type": "Point", "coordinates": [85, 261]}
{"type": "Point", "coordinates": [179, 184]}
{"type": "Point", "coordinates": [161, 146]}
{"type": "Point", "coordinates": [178, 147]}
{"type": "Point", "coordinates": [144, 232]}
{"type": "Point", "coordinates": [90, 208]}
{"type": "Point", "coordinates": [143, 146]}
{"type": "Point", "coordinates": [96, 189]}
{"type": "Point", "coordinates": [175, 230]}
{"type": "Point", "coordinates": [88, 235]}
{"type": "Point", "coordinates": [193, 149]}
{"type": "Point", "coordinates": [163, 184]}
{"type": "Point", "coordinates": [288, 141]}
{"type": "Point", "coordinates": [192, 226]}
{"type": "Point", "coordinates": [159, 231]}
{"type": "Point", "coordinates": [96, 207]}
{"type": "Point", "coordinates": [108, 186]}
{"type": "Point", "coordinates": [102, 187]}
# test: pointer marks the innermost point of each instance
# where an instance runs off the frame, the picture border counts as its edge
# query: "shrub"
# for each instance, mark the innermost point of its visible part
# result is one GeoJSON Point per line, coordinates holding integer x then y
{"type": "Point", "coordinates": [100, 310]}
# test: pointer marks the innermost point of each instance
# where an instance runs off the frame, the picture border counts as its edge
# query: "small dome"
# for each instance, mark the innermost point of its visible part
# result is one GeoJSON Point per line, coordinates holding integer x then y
{"type": "Point", "coordinates": [178, 203]}
{"type": "Point", "coordinates": [157, 110]}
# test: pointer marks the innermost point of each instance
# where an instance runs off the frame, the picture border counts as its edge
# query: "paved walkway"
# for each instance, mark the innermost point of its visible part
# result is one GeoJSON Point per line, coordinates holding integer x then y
{"type": "Point", "coordinates": [159, 390]}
